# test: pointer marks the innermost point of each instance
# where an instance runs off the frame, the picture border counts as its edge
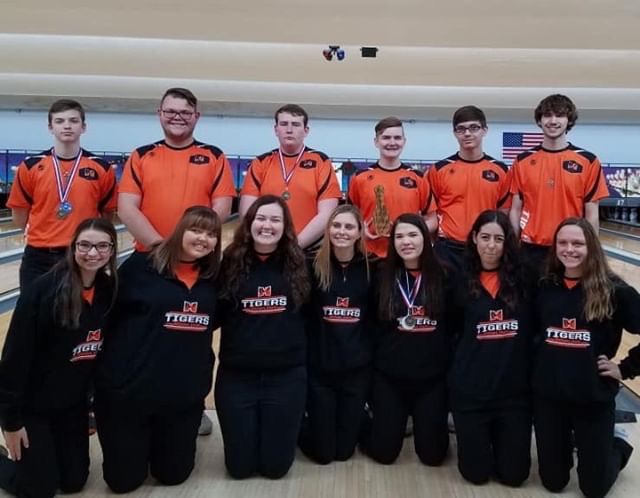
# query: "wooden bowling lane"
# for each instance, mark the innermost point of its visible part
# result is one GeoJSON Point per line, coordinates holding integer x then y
{"type": "Point", "coordinates": [625, 241]}
{"type": "Point", "coordinates": [10, 242]}
{"type": "Point", "coordinates": [6, 224]}
{"type": "Point", "coordinates": [622, 237]}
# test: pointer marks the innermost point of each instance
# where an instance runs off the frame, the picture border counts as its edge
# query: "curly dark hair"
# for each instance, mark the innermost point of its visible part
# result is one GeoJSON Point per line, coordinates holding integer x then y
{"type": "Point", "coordinates": [433, 276]}
{"type": "Point", "coordinates": [509, 273]}
{"type": "Point", "coordinates": [560, 105]}
{"type": "Point", "coordinates": [240, 255]}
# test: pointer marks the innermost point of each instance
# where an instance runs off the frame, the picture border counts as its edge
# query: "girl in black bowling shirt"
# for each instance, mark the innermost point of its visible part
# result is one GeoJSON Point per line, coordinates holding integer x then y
{"type": "Point", "coordinates": [582, 308]}
{"type": "Point", "coordinates": [261, 383]}
{"type": "Point", "coordinates": [47, 366]}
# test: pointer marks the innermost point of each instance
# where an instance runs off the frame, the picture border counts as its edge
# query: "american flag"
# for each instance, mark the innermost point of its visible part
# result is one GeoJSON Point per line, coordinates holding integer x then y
{"type": "Point", "coordinates": [516, 143]}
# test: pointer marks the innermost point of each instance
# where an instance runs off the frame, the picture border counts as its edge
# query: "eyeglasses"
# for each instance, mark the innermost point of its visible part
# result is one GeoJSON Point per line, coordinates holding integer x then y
{"type": "Point", "coordinates": [461, 130]}
{"type": "Point", "coordinates": [84, 246]}
{"type": "Point", "coordinates": [170, 113]}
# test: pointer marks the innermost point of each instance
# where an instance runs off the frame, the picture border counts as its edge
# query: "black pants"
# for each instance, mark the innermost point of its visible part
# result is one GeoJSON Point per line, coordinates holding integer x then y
{"type": "Point", "coordinates": [38, 261]}
{"type": "Point", "coordinates": [335, 404]}
{"type": "Point", "coordinates": [57, 457]}
{"type": "Point", "coordinates": [260, 415]}
{"type": "Point", "coordinates": [451, 254]}
{"type": "Point", "coordinates": [136, 441]}
{"type": "Point", "coordinates": [392, 401]}
{"type": "Point", "coordinates": [600, 455]}
{"type": "Point", "coordinates": [535, 258]}
{"type": "Point", "coordinates": [494, 442]}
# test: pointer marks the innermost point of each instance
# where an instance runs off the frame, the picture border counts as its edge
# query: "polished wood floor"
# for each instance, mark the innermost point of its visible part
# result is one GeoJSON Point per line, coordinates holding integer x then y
{"type": "Point", "coordinates": [357, 478]}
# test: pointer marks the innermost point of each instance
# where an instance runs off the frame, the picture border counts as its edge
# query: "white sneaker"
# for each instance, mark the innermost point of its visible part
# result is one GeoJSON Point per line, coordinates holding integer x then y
{"type": "Point", "coordinates": [620, 432]}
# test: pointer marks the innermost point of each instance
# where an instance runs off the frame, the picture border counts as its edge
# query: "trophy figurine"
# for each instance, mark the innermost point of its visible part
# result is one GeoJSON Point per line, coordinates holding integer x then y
{"type": "Point", "coordinates": [380, 219]}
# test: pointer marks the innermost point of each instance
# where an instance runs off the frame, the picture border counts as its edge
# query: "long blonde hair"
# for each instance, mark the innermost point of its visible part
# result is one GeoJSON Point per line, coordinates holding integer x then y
{"type": "Point", "coordinates": [322, 260]}
{"type": "Point", "coordinates": [597, 277]}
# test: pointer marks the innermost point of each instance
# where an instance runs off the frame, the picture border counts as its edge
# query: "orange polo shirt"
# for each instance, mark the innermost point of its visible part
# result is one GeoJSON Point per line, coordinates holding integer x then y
{"type": "Point", "coordinates": [313, 180]}
{"type": "Point", "coordinates": [553, 186]}
{"type": "Point", "coordinates": [170, 180]}
{"type": "Point", "coordinates": [93, 192]}
{"type": "Point", "coordinates": [404, 190]}
{"type": "Point", "coordinates": [463, 189]}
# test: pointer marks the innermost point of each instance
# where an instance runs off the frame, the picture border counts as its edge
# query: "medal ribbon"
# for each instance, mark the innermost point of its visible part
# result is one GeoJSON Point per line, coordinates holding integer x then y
{"type": "Point", "coordinates": [411, 297]}
{"type": "Point", "coordinates": [63, 190]}
{"type": "Point", "coordinates": [287, 176]}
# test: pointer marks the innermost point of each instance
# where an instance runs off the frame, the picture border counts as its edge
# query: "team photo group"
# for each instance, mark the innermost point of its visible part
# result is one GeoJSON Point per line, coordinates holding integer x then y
{"type": "Point", "coordinates": [468, 306]}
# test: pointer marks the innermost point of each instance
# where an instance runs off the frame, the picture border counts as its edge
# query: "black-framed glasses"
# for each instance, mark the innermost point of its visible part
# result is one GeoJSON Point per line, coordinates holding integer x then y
{"type": "Point", "coordinates": [172, 113]}
{"type": "Point", "coordinates": [461, 130]}
{"type": "Point", "coordinates": [85, 246]}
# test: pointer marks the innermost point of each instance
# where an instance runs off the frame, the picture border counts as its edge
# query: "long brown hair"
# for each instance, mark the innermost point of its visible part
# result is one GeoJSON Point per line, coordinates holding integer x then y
{"type": "Point", "coordinates": [240, 254]}
{"type": "Point", "coordinates": [597, 277]}
{"type": "Point", "coordinates": [512, 288]}
{"type": "Point", "coordinates": [322, 260]}
{"type": "Point", "coordinates": [67, 304]}
{"type": "Point", "coordinates": [165, 257]}
{"type": "Point", "coordinates": [432, 289]}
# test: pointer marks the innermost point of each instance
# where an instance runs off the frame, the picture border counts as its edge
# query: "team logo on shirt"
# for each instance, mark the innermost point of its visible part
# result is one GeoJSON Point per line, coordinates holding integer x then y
{"type": "Point", "coordinates": [490, 175]}
{"type": "Point", "coordinates": [341, 312]}
{"type": "Point", "coordinates": [524, 220]}
{"type": "Point", "coordinates": [308, 164]}
{"type": "Point", "coordinates": [264, 291]}
{"type": "Point", "coordinates": [424, 324]}
{"type": "Point", "coordinates": [572, 167]}
{"type": "Point", "coordinates": [497, 327]}
{"type": "Point", "coordinates": [408, 182]}
{"type": "Point", "coordinates": [89, 349]}
{"type": "Point", "coordinates": [187, 320]}
{"type": "Point", "coordinates": [264, 303]}
{"type": "Point", "coordinates": [568, 336]}
{"type": "Point", "coordinates": [88, 173]}
{"type": "Point", "coordinates": [199, 159]}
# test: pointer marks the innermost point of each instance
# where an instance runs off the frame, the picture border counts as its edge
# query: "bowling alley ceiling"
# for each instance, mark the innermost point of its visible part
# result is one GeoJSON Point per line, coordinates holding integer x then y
{"type": "Point", "coordinates": [245, 57]}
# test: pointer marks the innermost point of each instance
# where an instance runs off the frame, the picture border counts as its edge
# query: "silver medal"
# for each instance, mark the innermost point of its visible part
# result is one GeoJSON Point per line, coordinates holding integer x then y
{"type": "Point", "coordinates": [408, 322]}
